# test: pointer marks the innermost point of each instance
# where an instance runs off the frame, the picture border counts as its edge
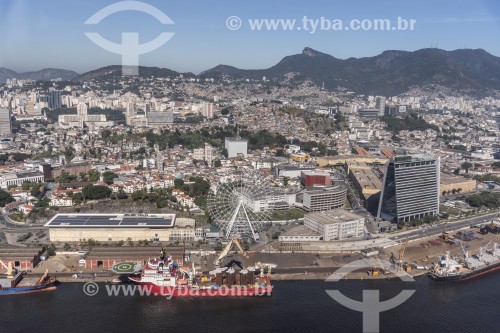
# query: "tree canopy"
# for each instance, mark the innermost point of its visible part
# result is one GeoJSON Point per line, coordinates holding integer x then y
{"type": "Point", "coordinates": [488, 199]}
{"type": "Point", "coordinates": [108, 177]}
{"type": "Point", "coordinates": [95, 192]}
{"type": "Point", "coordinates": [5, 198]}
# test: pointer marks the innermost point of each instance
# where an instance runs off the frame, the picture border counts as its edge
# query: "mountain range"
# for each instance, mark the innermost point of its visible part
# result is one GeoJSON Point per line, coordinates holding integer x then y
{"type": "Point", "coordinates": [389, 73]}
{"type": "Point", "coordinates": [46, 74]}
{"type": "Point", "coordinates": [116, 70]}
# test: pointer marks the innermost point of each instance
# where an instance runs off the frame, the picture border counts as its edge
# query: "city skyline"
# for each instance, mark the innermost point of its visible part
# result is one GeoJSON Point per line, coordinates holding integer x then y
{"type": "Point", "coordinates": [37, 28]}
{"type": "Point", "coordinates": [351, 147]}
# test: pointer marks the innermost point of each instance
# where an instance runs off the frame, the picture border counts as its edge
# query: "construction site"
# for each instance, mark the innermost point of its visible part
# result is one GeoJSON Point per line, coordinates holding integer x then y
{"type": "Point", "coordinates": [417, 257]}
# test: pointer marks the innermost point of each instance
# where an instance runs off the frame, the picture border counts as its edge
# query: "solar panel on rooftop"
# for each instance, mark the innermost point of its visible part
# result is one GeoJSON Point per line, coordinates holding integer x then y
{"type": "Point", "coordinates": [110, 220]}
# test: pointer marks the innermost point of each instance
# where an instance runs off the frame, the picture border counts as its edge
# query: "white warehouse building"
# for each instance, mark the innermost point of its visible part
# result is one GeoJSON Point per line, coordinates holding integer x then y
{"type": "Point", "coordinates": [19, 178]}
{"type": "Point", "coordinates": [336, 224]}
{"type": "Point", "coordinates": [120, 227]}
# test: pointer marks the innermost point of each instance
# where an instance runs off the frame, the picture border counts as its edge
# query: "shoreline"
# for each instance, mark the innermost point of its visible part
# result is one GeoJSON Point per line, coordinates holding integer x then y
{"type": "Point", "coordinates": [303, 276]}
{"type": "Point", "coordinates": [350, 276]}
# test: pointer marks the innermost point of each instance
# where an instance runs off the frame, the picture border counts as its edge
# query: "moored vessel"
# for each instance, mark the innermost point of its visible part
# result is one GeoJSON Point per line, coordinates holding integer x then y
{"type": "Point", "coordinates": [168, 277]}
{"type": "Point", "coordinates": [17, 283]}
{"type": "Point", "coordinates": [449, 268]}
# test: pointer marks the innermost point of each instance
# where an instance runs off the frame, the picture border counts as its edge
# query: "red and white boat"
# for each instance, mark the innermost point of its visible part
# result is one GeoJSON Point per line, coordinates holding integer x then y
{"type": "Point", "coordinates": [164, 276]}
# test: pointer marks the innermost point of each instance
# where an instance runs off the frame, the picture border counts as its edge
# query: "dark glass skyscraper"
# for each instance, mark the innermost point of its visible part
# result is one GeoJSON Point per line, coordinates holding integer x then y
{"type": "Point", "coordinates": [55, 99]}
{"type": "Point", "coordinates": [52, 100]}
{"type": "Point", "coordinates": [410, 188]}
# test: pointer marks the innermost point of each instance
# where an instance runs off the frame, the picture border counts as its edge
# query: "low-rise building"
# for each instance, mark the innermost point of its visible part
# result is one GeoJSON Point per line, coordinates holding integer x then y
{"type": "Point", "coordinates": [184, 230]}
{"type": "Point", "coordinates": [113, 227]}
{"type": "Point", "coordinates": [291, 171]}
{"type": "Point", "coordinates": [300, 157]}
{"type": "Point", "coordinates": [61, 202]}
{"type": "Point", "coordinates": [315, 179]}
{"type": "Point", "coordinates": [345, 160]}
{"type": "Point", "coordinates": [326, 198]}
{"type": "Point", "coordinates": [235, 146]}
{"type": "Point", "coordinates": [367, 183]}
{"type": "Point", "coordinates": [300, 234]}
{"type": "Point", "coordinates": [336, 224]}
{"type": "Point", "coordinates": [19, 178]}
{"type": "Point", "coordinates": [73, 169]}
{"type": "Point", "coordinates": [159, 119]}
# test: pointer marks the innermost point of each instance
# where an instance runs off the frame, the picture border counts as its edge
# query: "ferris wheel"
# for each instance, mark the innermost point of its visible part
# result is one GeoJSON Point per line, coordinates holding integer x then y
{"type": "Point", "coordinates": [240, 206]}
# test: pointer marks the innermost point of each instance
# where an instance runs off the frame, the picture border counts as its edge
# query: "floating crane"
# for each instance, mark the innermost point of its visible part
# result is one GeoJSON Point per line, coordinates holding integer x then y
{"type": "Point", "coordinates": [228, 248]}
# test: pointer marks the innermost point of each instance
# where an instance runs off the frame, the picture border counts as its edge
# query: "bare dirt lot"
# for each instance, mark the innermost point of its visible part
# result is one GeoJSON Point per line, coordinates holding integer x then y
{"type": "Point", "coordinates": [426, 251]}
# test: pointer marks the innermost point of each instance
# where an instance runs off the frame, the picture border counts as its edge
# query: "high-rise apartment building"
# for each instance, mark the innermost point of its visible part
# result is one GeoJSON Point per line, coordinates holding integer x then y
{"type": "Point", "coordinates": [130, 113]}
{"type": "Point", "coordinates": [209, 153]}
{"type": "Point", "coordinates": [207, 110]}
{"type": "Point", "coordinates": [81, 110]}
{"type": "Point", "coordinates": [55, 99]}
{"type": "Point", "coordinates": [199, 154]}
{"type": "Point", "coordinates": [5, 121]}
{"type": "Point", "coordinates": [380, 105]}
{"type": "Point", "coordinates": [52, 101]}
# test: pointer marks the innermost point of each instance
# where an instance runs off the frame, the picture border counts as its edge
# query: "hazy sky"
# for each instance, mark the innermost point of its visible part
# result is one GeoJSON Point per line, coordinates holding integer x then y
{"type": "Point", "coordinates": [36, 34]}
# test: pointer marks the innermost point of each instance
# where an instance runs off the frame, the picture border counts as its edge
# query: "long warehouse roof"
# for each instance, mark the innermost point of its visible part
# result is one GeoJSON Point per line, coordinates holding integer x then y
{"type": "Point", "coordinates": [112, 220]}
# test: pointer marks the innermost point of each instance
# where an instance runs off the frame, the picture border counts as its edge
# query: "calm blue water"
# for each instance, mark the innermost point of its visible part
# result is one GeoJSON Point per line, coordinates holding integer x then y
{"type": "Point", "coordinates": [296, 306]}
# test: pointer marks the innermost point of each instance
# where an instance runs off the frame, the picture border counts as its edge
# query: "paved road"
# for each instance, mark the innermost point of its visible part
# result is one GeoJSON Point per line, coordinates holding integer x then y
{"type": "Point", "coordinates": [355, 205]}
{"type": "Point", "coordinates": [310, 269]}
{"type": "Point", "coordinates": [387, 240]}
{"type": "Point", "coordinates": [439, 229]}
{"type": "Point", "coordinates": [7, 223]}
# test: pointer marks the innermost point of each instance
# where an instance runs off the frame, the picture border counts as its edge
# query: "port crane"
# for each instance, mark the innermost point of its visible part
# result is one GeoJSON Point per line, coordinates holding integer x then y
{"type": "Point", "coordinates": [483, 248]}
{"type": "Point", "coordinates": [262, 266]}
{"type": "Point", "coordinates": [494, 249]}
{"type": "Point", "coordinates": [377, 266]}
{"type": "Point", "coordinates": [228, 248]}
{"type": "Point", "coordinates": [402, 250]}
{"type": "Point", "coordinates": [466, 253]}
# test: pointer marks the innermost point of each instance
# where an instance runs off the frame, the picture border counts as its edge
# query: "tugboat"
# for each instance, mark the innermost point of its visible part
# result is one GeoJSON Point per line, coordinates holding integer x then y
{"type": "Point", "coordinates": [16, 283]}
{"type": "Point", "coordinates": [454, 269]}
